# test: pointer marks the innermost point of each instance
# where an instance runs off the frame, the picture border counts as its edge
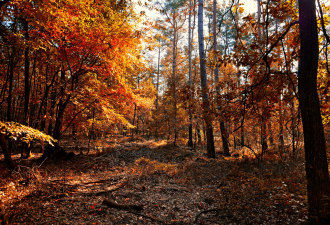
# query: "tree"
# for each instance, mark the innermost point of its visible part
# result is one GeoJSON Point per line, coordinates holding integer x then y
{"type": "Point", "coordinates": [17, 131]}
{"type": "Point", "coordinates": [176, 18]}
{"type": "Point", "coordinates": [60, 60]}
{"type": "Point", "coordinates": [216, 78]}
{"type": "Point", "coordinates": [206, 105]}
{"type": "Point", "coordinates": [317, 173]}
{"type": "Point", "coordinates": [190, 138]}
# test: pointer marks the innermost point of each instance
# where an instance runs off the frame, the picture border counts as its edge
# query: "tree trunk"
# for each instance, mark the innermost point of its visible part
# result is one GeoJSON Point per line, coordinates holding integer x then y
{"type": "Point", "coordinates": [61, 107]}
{"type": "Point", "coordinates": [224, 138]}
{"type": "Point", "coordinates": [26, 75]}
{"type": "Point", "coordinates": [157, 94]}
{"type": "Point", "coordinates": [242, 135]}
{"type": "Point", "coordinates": [318, 182]}
{"type": "Point", "coordinates": [281, 117]}
{"type": "Point", "coordinates": [293, 129]}
{"type": "Point", "coordinates": [264, 145]}
{"type": "Point", "coordinates": [206, 106]}
{"type": "Point", "coordinates": [26, 149]}
{"type": "Point", "coordinates": [259, 20]}
{"type": "Point", "coordinates": [132, 131]}
{"type": "Point", "coordinates": [174, 79]}
{"type": "Point", "coordinates": [216, 78]}
{"type": "Point", "coordinates": [190, 139]}
{"type": "Point", "coordinates": [10, 163]}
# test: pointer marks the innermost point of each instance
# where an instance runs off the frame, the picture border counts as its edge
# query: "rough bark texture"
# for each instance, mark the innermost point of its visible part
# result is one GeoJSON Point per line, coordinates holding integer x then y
{"type": "Point", "coordinates": [206, 106]}
{"type": "Point", "coordinates": [318, 184]}
{"type": "Point", "coordinates": [224, 138]}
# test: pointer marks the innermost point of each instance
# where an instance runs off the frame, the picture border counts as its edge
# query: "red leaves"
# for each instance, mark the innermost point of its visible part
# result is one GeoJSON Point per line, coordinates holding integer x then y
{"type": "Point", "coordinates": [93, 206]}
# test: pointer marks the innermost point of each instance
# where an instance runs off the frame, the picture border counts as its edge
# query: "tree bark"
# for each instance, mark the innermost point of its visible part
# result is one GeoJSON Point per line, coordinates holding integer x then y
{"type": "Point", "coordinates": [26, 150]}
{"type": "Point", "coordinates": [318, 183]}
{"type": "Point", "coordinates": [190, 139]}
{"type": "Point", "coordinates": [206, 105]}
{"type": "Point", "coordinates": [174, 77]}
{"type": "Point", "coordinates": [10, 163]}
{"type": "Point", "coordinates": [216, 78]}
{"type": "Point", "coordinates": [157, 94]}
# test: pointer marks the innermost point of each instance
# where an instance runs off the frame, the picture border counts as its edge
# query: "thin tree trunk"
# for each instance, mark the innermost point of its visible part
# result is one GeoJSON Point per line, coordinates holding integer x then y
{"type": "Point", "coordinates": [206, 106]}
{"type": "Point", "coordinates": [174, 79]}
{"type": "Point", "coordinates": [281, 126]}
{"type": "Point", "coordinates": [264, 145]}
{"type": "Point", "coordinates": [293, 130]}
{"type": "Point", "coordinates": [91, 131]}
{"type": "Point", "coordinates": [259, 20]}
{"type": "Point", "coordinates": [317, 173]}
{"type": "Point", "coordinates": [190, 139]}
{"type": "Point", "coordinates": [10, 87]}
{"type": "Point", "coordinates": [157, 94]}
{"type": "Point", "coordinates": [26, 150]}
{"type": "Point", "coordinates": [242, 135]}
{"type": "Point", "coordinates": [132, 131]}
{"type": "Point", "coordinates": [216, 78]}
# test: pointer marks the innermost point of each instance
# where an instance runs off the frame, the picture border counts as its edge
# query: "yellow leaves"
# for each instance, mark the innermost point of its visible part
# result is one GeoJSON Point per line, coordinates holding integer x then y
{"type": "Point", "coordinates": [239, 9]}
{"type": "Point", "coordinates": [24, 133]}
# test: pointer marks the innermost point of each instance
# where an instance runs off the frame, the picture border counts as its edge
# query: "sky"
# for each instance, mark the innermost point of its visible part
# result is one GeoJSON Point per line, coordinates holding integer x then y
{"type": "Point", "coordinates": [250, 6]}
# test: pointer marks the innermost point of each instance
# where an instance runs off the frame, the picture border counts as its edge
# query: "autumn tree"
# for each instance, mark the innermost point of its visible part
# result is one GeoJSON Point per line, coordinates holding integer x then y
{"type": "Point", "coordinates": [206, 105]}
{"type": "Point", "coordinates": [317, 173]}
{"type": "Point", "coordinates": [63, 59]}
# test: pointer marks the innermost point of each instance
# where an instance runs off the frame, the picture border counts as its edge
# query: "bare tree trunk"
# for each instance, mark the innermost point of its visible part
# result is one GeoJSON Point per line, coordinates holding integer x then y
{"type": "Point", "coordinates": [216, 78]}
{"type": "Point", "coordinates": [134, 115]}
{"type": "Point", "coordinates": [26, 150]}
{"type": "Point", "coordinates": [317, 173]}
{"type": "Point", "coordinates": [157, 94]}
{"type": "Point", "coordinates": [293, 129]}
{"type": "Point", "coordinates": [264, 145]}
{"type": "Point", "coordinates": [190, 139]}
{"type": "Point", "coordinates": [259, 20]}
{"type": "Point", "coordinates": [206, 105]}
{"type": "Point", "coordinates": [174, 79]}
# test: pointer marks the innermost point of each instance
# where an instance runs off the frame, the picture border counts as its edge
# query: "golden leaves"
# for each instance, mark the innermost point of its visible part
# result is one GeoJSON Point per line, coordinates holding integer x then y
{"type": "Point", "coordinates": [24, 133]}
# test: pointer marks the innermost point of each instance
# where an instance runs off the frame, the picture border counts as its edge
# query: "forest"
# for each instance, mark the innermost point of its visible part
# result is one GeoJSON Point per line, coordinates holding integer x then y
{"type": "Point", "coordinates": [164, 112]}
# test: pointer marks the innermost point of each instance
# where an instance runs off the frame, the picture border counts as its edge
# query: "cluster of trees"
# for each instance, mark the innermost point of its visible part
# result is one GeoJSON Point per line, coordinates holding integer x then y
{"type": "Point", "coordinates": [240, 81]}
{"type": "Point", "coordinates": [251, 80]}
{"type": "Point", "coordinates": [69, 66]}
{"type": "Point", "coordinates": [77, 67]}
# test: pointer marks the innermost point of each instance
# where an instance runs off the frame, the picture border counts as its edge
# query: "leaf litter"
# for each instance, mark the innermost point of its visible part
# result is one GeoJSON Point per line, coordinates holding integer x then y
{"type": "Point", "coordinates": [150, 182]}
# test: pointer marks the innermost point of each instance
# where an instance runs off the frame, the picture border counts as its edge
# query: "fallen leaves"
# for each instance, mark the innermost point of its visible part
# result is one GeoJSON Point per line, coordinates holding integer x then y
{"type": "Point", "coordinates": [143, 187]}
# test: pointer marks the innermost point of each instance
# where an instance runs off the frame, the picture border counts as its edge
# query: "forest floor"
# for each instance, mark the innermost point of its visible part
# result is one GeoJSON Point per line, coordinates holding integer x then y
{"type": "Point", "coordinates": [150, 182]}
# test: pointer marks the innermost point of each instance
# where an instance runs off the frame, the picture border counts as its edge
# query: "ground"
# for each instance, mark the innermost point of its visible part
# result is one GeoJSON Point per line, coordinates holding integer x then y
{"type": "Point", "coordinates": [152, 182]}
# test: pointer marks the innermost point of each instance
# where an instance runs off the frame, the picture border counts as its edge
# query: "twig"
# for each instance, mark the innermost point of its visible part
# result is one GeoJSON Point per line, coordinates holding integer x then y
{"type": "Point", "coordinates": [94, 182]}
{"type": "Point", "coordinates": [206, 211]}
{"type": "Point", "coordinates": [42, 162]}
